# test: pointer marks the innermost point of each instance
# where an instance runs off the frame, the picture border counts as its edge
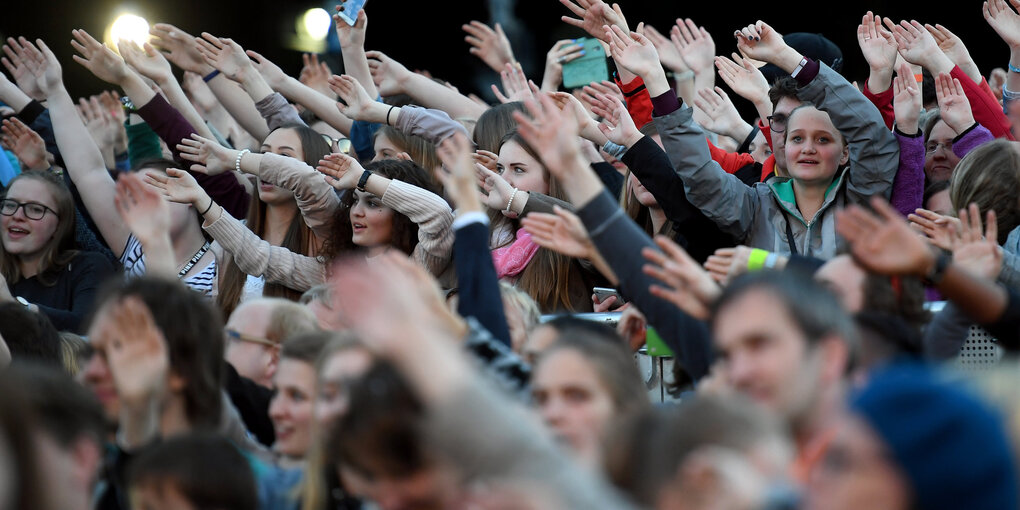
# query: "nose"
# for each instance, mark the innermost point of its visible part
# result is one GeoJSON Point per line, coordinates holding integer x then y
{"type": "Point", "coordinates": [739, 370]}
{"type": "Point", "coordinates": [277, 408]}
{"type": "Point", "coordinates": [358, 210]}
{"type": "Point", "coordinates": [552, 411]}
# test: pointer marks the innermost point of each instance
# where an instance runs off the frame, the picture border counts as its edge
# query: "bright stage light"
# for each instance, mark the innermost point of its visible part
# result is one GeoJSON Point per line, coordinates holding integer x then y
{"type": "Point", "coordinates": [316, 23]}
{"type": "Point", "coordinates": [129, 27]}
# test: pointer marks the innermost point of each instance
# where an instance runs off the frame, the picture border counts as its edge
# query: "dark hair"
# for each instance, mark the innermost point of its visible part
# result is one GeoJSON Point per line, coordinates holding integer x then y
{"type": "Point", "coordinates": [307, 346]}
{"type": "Point", "coordinates": [160, 164]}
{"type": "Point", "coordinates": [297, 239]}
{"type": "Point", "coordinates": [63, 409]}
{"type": "Point", "coordinates": [885, 338]}
{"type": "Point", "coordinates": [783, 87]}
{"type": "Point", "coordinates": [405, 232]}
{"type": "Point", "coordinates": [58, 251]}
{"type": "Point", "coordinates": [901, 296]}
{"type": "Point", "coordinates": [16, 424]}
{"type": "Point", "coordinates": [612, 361]}
{"type": "Point", "coordinates": [494, 124]}
{"type": "Point", "coordinates": [194, 336]}
{"type": "Point", "coordinates": [813, 308]}
{"type": "Point", "coordinates": [207, 469]}
{"type": "Point", "coordinates": [572, 325]}
{"type": "Point", "coordinates": [645, 451]}
{"type": "Point", "coordinates": [928, 95]}
{"type": "Point", "coordinates": [933, 189]}
{"type": "Point", "coordinates": [639, 212]}
{"type": "Point", "coordinates": [381, 433]}
{"type": "Point", "coordinates": [990, 177]}
{"type": "Point", "coordinates": [29, 335]}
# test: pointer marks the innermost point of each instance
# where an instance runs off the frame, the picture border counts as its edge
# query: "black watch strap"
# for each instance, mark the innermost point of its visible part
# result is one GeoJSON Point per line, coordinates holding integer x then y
{"type": "Point", "coordinates": [364, 180]}
{"type": "Point", "coordinates": [942, 261]}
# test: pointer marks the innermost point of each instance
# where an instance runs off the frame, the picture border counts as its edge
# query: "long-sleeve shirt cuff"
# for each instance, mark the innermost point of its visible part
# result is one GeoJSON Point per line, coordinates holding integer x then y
{"type": "Point", "coordinates": [30, 112]}
{"type": "Point", "coordinates": [468, 218]}
{"type": "Point", "coordinates": [808, 72]}
{"type": "Point", "coordinates": [665, 103]}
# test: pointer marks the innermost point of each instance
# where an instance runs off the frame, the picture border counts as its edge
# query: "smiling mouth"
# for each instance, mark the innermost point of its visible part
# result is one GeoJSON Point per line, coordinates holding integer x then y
{"type": "Point", "coordinates": [15, 231]}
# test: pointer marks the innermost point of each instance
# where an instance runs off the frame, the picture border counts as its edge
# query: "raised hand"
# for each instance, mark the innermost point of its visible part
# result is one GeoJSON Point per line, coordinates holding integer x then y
{"type": "Point", "coordinates": [938, 229]}
{"type": "Point", "coordinates": [210, 157]}
{"type": "Point", "coordinates": [460, 175]}
{"type": "Point", "coordinates": [883, 242]}
{"type": "Point", "coordinates": [149, 63]}
{"type": "Point", "coordinates": [341, 171]}
{"type": "Point", "coordinates": [744, 79]}
{"type": "Point", "coordinates": [179, 47]}
{"type": "Point", "coordinates": [977, 253]}
{"type": "Point", "coordinates": [98, 58]}
{"type": "Point", "coordinates": [727, 263]}
{"type": "Point", "coordinates": [954, 48]}
{"type": "Point", "coordinates": [695, 45]}
{"type": "Point", "coordinates": [633, 51]}
{"type": "Point", "coordinates": [14, 61]}
{"type": "Point", "coordinates": [44, 65]}
{"type": "Point", "coordinates": [353, 94]}
{"type": "Point", "coordinates": [562, 52]}
{"type": "Point", "coordinates": [274, 76]}
{"type": "Point", "coordinates": [492, 46]}
{"type": "Point", "coordinates": [954, 106]}
{"type": "Point", "coordinates": [100, 124]}
{"type": "Point", "coordinates": [719, 114]}
{"type": "Point", "coordinates": [224, 54]}
{"type": "Point", "coordinates": [142, 208]}
{"type": "Point", "coordinates": [314, 74]}
{"type": "Point", "coordinates": [26, 144]}
{"type": "Point", "coordinates": [593, 16]}
{"type": "Point", "coordinates": [617, 124]}
{"type": "Point", "coordinates": [1003, 20]}
{"type": "Point", "coordinates": [562, 232]}
{"type": "Point", "coordinates": [690, 288]}
{"type": "Point", "coordinates": [669, 53]}
{"type": "Point", "coordinates": [389, 75]}
{"type": "Point", "coordinates": [878, 46]}
{"type": "Point", "coordinates": [760, 42]}
{"type": "Point", "coordinates": [351, 36]}
{"type": "Point", "coordinates": [180, 187]}
{"type": "Point", "coordinates": [593, 89]}
{"type": "Point", "coordinates": [586, 125]}
{"type": "Point", "coordinates": [496, 190]}
{"type": "Point", "coordinates": [516, 86]}
{"type": "Point", "coordinates": [918, 47]}
{"type": "Point", "coordinates": [136, 351]}
{"type": "Point", "coordinates": [199, 92]}
{"type": "Point", "coordinates": [907, 100]}
{"type": "Point", "coordinates": [552, 133]}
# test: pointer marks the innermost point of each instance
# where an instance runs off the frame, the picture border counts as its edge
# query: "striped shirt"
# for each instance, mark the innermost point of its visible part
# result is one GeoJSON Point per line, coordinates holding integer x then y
{"type": "Point", "coordinates": [133, 260]}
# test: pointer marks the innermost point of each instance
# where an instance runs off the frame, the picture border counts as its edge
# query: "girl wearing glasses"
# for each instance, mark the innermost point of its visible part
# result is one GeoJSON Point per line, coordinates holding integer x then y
{"type": "Point", "coordinates": [39, 265]}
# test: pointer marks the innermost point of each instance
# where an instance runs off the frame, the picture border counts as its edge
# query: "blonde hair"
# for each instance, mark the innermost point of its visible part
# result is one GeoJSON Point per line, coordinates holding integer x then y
{"type": "Point", "coordinates": [989, 176]}
{"type": "Point", "coordinates": [520, 300]}
{"type": "Point", "coordinates": [289, 319]}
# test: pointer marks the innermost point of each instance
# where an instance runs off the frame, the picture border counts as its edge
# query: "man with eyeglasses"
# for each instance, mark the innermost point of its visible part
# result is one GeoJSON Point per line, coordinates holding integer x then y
{"type": "Point", "coordinates": [253, 336]}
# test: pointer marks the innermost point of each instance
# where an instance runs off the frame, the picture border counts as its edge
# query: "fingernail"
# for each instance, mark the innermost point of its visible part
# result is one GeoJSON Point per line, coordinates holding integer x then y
{"type": "Point", "coordinates": [573, 40]}
{"type": "Point", "coordinates": [582, 53]}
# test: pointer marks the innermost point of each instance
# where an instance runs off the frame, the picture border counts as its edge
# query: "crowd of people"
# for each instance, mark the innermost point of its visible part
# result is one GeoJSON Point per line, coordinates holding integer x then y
{"type": "Point", "coordinates": [223, 287]}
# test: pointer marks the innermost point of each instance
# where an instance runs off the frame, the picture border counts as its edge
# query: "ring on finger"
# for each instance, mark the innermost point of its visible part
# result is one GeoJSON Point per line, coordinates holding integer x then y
{"type": "Point", "coordinates": [561, 59]}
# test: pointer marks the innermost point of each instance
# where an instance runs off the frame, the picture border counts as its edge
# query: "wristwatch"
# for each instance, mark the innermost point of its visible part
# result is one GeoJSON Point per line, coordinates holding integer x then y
{"type": "Point", "coordinates": [942, 261]}
{"type": "Point", "coordinates": [24, 302]}
{"type": "Point", "coordinates": [363, 181]}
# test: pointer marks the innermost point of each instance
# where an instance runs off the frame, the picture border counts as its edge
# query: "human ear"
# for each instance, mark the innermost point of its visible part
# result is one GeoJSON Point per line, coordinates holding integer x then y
{"type": "Point", "coordinates": [835, 357]}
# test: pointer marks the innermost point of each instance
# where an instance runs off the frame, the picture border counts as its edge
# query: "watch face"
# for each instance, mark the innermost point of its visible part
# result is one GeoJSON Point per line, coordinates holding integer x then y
{"type": "Point", "coordinates": [22, 300]}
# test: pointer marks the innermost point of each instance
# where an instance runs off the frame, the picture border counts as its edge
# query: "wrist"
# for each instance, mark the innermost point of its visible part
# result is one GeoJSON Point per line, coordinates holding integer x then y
{"type": "Point", "coordinates": [632, 138]}
{"type": "Point", "coordinates": [656, 83]}
{"type": "Point", "coordinates": [788, 59]}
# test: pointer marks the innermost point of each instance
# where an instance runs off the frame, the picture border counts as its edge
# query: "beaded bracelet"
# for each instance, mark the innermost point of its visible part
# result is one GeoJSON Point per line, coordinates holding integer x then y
{"type": "Point", "coordinates": [237, 162]}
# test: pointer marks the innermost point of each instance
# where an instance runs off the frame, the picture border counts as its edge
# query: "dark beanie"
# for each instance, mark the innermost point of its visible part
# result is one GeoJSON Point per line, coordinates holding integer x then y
{"type": "Point", "coordinates": [952, 446]}
{"type": "Point", "coordinates": [813, 46]}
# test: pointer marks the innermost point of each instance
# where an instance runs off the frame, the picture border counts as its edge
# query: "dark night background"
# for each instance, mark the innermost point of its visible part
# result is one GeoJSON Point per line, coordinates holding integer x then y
{"type": "Point", "coordinates": [427, 35]}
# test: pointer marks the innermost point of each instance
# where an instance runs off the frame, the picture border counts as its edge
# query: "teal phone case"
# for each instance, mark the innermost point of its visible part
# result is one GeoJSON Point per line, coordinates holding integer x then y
{"type": "Point", "coordinates": [590, 68]}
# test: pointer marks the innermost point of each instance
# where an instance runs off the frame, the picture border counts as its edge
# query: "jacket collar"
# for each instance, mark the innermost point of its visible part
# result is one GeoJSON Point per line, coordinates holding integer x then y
{"type": "Point", "coordinates": [782, 190]}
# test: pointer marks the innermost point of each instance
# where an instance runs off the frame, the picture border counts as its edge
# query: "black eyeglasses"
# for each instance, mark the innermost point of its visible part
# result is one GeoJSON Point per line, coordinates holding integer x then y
{"type": "Point", "coordinates": [777, 123]}
{"type": "Point", "coordinates": [33, 210]}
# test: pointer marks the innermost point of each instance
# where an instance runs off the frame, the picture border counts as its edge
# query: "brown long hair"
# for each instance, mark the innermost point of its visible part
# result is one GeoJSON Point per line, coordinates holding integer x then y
{"type": "Point", "coordinates": [641, 213]}
{"type": "Point", "coordinates": [298, 238]}
{"type": "Point", "coordinates": [546, 278]}
{"type": "Point", "coordinates": [990, 177]}
{"type": "Point", "coordinates": [421, 150]}
{"type": "Point", "coordinates": [58, 251]}
{"type": "Point", "coordinates": [404, 235]}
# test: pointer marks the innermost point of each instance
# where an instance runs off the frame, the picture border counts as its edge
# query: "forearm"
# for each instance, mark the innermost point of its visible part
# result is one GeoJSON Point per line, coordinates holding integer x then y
{"type": "Point", "coordinates": [239, 106]}
{"type": "Point", "coordinates": [434, 95]}
{"type": "Point", "coordinates": [277, 111]}
{"type": "Point", "coordinates": [429, 211]}
{"type": "Point", "coordinates": [432, 125]}
{"type": "Point", "coordinates": [908, 185]}
{"type": "Point", "coordinates": [322, 106]}
{"type": "Point", "coordinates": [981, 299]}
{"type": "Point", "coordinates": [317, 201]}
{"type": "Point", "coordinates": [13, 96]}
{"type": "Point", "coordinates": [356, 66]}
{"type": "Point", "coordinates": [1013, 77]}
{"type": "Point", "coordinates": [159, 255]}
{"type": "Point", "coordinates": [478, 287]}
{"type": "Point", "coordinates": [176, 97]}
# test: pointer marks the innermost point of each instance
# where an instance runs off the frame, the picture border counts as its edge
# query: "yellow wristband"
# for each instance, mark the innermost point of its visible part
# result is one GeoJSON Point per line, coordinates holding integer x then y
{"type": "Point", "coordinates": [756, 260]}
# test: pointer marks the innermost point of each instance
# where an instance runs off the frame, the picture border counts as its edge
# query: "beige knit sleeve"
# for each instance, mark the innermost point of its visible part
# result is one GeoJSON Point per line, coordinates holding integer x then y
{"type": "Point", "coordinates": [434, 218]}
{"type": "Point", "coordinates": [317, 200]}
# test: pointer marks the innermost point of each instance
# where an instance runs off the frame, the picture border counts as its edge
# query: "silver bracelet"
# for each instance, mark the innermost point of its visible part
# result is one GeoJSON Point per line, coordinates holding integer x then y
{"type": "Point", "coordinates": [770, 260]}
{"type": "Point", "coordinates": [237, 162]}
{"type": "Point", "coordinates": [511, 201]}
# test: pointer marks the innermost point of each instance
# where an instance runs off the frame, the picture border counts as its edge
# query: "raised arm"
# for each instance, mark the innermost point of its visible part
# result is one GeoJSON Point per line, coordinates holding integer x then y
{"type": "Point", "coordinates": [352, 50]}
{"type": "Point", "coordinates": [322, 106]}
{"type": "Point", "coordinates": [252, 254]}
{"type": "Point", "coordinates": [908, 186]}
{"type": "Point", "coordinates": [429, 211]}
{"type": "Point", "coordinates": [392, 78]}
{"type": "Point", "coordinates": [83, 160]}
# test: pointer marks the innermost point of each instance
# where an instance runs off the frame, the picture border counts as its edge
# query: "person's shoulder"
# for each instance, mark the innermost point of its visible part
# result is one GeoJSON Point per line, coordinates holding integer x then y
{"type": "Point", "coordinates": [90, 261]}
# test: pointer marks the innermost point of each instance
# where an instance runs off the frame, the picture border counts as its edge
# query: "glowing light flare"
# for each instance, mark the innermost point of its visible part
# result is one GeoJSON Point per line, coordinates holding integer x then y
{"type": "Point", "coordinates": [129, 27]}
{"type": "Point", "coordinates": [315, 23]}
